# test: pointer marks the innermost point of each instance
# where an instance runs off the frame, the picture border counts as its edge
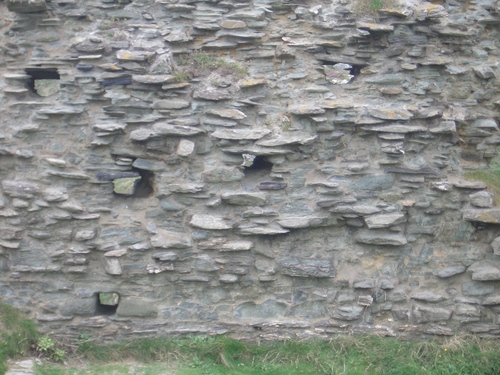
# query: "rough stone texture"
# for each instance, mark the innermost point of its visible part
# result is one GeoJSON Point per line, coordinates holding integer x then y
{"type": "Point", "coordinates": [354, 211]}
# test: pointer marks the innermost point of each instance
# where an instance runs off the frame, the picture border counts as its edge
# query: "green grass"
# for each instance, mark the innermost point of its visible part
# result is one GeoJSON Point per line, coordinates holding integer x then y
{"type": "Point", "coordinates": [18, 336]}
{"type": "Point", "coordinates": [341, 355]}
{"type": "Point", "coordinates": [221, 355]}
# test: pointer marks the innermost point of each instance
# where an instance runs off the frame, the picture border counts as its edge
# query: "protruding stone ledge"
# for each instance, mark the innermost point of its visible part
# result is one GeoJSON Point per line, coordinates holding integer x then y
{"type": "Point", "coordinates": [166, 240]}
{"type": "Point", "coordinates": [240, 134]}
{"type": "Point", "coordinates": [381, 238]}
{"type": "Point", "coordinates": [491, 216]}
{"type": "Point", "coordinates": [303, 222]}
{"type": "Point", "coordinates": [305, 267]}
{"type": "Point", "coordinates": [245, 199]}
{"type": "Point", "coordinates": [209, 222]}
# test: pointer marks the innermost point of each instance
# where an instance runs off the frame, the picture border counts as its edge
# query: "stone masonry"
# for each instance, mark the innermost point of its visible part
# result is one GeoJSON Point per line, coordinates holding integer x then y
{"type": "Point", "coordinates": [257, 168]}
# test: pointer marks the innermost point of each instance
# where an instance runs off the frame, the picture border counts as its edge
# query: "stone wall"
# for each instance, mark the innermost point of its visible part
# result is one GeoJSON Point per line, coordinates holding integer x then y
{"type": "Point", "coordinates": [258, 168]}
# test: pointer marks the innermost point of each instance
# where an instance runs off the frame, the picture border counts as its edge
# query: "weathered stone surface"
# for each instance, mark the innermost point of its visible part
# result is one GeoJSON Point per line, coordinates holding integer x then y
{"type": "Point", "coordinates": [302, 110]}
{"type": "Point", "coordinates": [113, 266]}
{"type": "Point", "coordinates": [20, 189]}
{"type": "Point", "coordinates": [484, 216]}
{"type": "Point", "coordinates": [476, 288]}
{"type": "Point", "coordinates": [496, 246]}
{"type": "Point", "coordinates": [305, 267]}
{"type": "Point", "coordinates": [287, 139]}
{"type": "Point", "coordinates": [349, 312]}
{"type": "Point", "coordinates": [390, 113]}
{"type": "Point", "coordinates": [450, 271]}
{"type": "Point", "coordinates": [223, 175]}
{"type": "Point", "coordinates": [428, 296]}
{"type": "Point", "coordinates": [79, 306]}
{"type": "Point", "coordinates": [233, 114]}
{"type": "Point", "coordinates": [396, 128]}
{"type": "Point", "coordinates": [245, 199]}
{"type": "Point", "coordinates": [381, 238]}
{"type": "Point", "coordinates": [166, 240]}
{"type": "Point", "coordinates": [423, 314]}
{"type": "Point", "coordinates": [240, 134]}
{"type": "Point", "coordinates": [237, 246]}
{"type": "Point", "coordinates": [171, 104]}
{"type": "Point", "coordinates": [485, 272]}
{"type": "Point", "coordinates": [384, 220]}
{"type": "Point", "coordinates": [482, 199]}
{"type": "Point", "coordinates": [209, 222]}
{"type": "Point", "coordinates": [381, 182]}
{"type": "Point", "coordinates": [55, 194]}
{"type": "Point", "coordinates": [26, 6]}
{"type": "Point", "coordinates": [133, 55]}
{"type": "Point", "coordinates": [134, 307]}
{"type": "Point", "coordinates": [302, 222]}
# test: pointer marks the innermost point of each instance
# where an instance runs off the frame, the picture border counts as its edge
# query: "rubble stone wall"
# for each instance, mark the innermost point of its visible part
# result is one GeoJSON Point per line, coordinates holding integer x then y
{"type": "Point", "coordinates": [258, 168]}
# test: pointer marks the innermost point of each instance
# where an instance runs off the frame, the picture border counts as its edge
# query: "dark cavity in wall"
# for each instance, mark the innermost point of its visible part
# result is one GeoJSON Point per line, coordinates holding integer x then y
{"type": "Point", "coordinates": [42, 80]}
{"type": "Point", "coordinates": [107, 303]}
{"type": "Point", "coordinates": [256, 170]}
{"type": "Point", "coordinates": [138, 184]}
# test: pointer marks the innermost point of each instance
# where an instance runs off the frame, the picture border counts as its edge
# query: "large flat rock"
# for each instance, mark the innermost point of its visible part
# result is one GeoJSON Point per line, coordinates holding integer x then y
{"type": "Point", "coordinates": [381, 238]}
{"type": "Point", "coordinates": [491, 215]}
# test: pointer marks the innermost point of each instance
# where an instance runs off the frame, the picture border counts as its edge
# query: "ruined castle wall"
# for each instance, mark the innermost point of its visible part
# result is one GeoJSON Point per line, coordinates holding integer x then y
{"type": "Point", "coordinates": [206, 167]}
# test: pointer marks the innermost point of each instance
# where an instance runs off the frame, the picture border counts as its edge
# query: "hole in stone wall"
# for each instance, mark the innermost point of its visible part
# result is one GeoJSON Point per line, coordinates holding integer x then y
{"type": "Point", "coordinates": [43, 82]}
{"type": "Point", "coordinates": [137, 184]}
{"type": "Point", "coordinates": [256, 163]}
{"type": "Point", "coordinates": [107, 303]}
{"type": "Point", "coordinates": [341, 73]}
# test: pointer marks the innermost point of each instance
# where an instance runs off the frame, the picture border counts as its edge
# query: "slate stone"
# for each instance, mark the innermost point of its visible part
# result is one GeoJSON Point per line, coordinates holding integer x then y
{"type": "Point", "coordinates": [209, 222]}
{"type": "Point", "coordinates": [300, 222]}
{"type": "Point", "coordinates": [240, 134]}
{"type": "Point", "coordinates": [171, 104]}
{"type": "Point", "coordinates": [390, 113]}
{"type": "Point", "coordinates": [491, 215]}
{"type": "Point", "coordinates": [167, 240]}
{"type": "Point", "coordinates": [381, 238]}
{"type": "Point", "coordinates": [482, 199]}
{"type": "Point", "coordinates": [223, 175]}
{"type": "Point", "coordinates": [476, 288]}
{"type": "Point", "coordinates": [496, 246]}
{"type": "Point", "coordinates": [264, 231]}
{"type": "Point", "coordinates": [245, 199]}
{"type": "Point", "coordinates": [349, 313]}
{"type": "Point", "coordinates": [491, 301]}
{"type": "Point", "coordinates": [269, 309]}
{"type": "Point", "coordinates": [395, 128]}
{"type": "Point", "coordinates": [133, 55]}
{"type": "Point", "coordinates": [113, 266]}
{"type": "Point", "coordinates": [373, 183]}
{"type": "Point", "coordinates": [79, 306]}
{"type": "Point", "coordinates": [485, 272]}
{"type": "Point", "coordinates": [20, 189]}
{"type": "Point", "coordinates": [428, 296]}
{"type": "Point", "coordinates": [306, 267]}
{"type": "Point", "coordinates": [305, 109]}
{"type": "Point", "coordinates": [135, 307]}
{"type": "Point", "coordinates": [287, 139]}
{"type": "Point", "coordinates": [384, 220]}
{"type": "Point", "coordinates": [450, 271]}
{"type": "Point", "coordinates": [364, 284]}
{"type": "Point", "coordinates": [423, 314]}
{"type": "Point", "coordinates": [237, 246]}
{"type": "Point", "coordinates": [55, 194]}
{"type": "Point", "coordinates": [26, 6]}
